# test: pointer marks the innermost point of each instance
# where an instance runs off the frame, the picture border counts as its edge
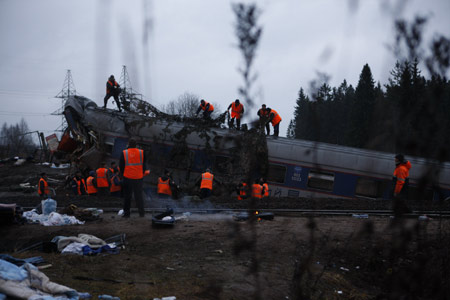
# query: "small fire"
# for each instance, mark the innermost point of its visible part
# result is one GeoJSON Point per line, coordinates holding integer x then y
{"type": "Point", "coordinates": [256, 213]}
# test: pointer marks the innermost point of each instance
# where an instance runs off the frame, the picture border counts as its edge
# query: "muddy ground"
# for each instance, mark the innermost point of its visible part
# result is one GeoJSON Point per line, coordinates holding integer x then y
{"type": "Point", "coordinates": [213, 256]}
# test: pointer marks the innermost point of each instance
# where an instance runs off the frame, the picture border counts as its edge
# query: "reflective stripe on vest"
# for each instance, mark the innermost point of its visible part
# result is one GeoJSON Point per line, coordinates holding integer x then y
{"type": "Point", "coordinates": [102, 180]}
{"type": "Point", "coordinates": [91, 189]}
{"type": "Point", "coordinates": [257, 191]}
{"type": "Point", "coordinates": [207, 181]}
{"type": "Point", "coordinates": [45, 187]}
{"type": "Point", "coordinates": [164, 187]}
{"type": "Point", "coordinates": [133, 167]}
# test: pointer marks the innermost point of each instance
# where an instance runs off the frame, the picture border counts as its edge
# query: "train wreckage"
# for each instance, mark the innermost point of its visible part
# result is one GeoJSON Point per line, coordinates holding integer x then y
{"type": "Point", "coordinates": [187, 146]}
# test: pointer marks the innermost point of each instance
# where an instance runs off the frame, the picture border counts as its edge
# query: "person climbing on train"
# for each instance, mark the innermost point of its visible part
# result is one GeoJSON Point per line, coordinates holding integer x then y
{"type": "Point", "coordinates": [263, 115]}
{"type": "Point", "coordinates": [275, 119]}
{"type": "Point", "coordinates": [166, 185]}
{"type": "Point", "coordinates": [91, 184]}
{"type": "Point", "coordinates": [401, 184]}
{"type": "Point", "coordinates": [237, 110]}
{"type": "Point", "coordinates": [112, 90]}
{"type": "Point", "coordinates": [207, 108]}
{"type": "Point", "coordinates": [43, 189]}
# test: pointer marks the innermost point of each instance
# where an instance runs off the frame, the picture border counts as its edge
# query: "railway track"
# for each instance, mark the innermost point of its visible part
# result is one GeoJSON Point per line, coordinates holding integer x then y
{"type": "Point", "coordinates": [296, 212]}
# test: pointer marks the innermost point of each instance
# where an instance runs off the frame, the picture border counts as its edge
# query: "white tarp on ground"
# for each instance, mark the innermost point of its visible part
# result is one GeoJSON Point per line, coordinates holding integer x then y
{"type": "Point", "coordinates": [53, 219]}
{"type": "Point", "coordinates": [27, 282]}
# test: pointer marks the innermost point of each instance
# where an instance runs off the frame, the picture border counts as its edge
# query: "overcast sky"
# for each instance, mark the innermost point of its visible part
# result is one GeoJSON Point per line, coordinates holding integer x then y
{"type": "Point", "coordinates": [175, 46]}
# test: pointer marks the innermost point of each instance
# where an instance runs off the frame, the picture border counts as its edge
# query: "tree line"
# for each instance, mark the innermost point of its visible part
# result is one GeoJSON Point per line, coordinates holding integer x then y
{"type": "Point", "coordinates": [410, 114]}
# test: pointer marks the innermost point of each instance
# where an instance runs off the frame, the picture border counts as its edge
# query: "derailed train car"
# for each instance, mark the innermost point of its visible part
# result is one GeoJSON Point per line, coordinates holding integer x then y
{"type": "Point", "coordinates": [293, 168]}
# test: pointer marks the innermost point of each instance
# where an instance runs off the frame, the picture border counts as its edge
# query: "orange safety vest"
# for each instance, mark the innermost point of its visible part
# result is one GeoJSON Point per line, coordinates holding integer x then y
{"type": "Point", "coordinates": [114, 187]}
{"type": "Point", "coordinates": [211, 107]}
{"type": "Point", "coordinates": [79, 186]}
{"type": "Point", "coordinates": [257, 191]}
{"type": "Point", "coordinates": [266, 190]}
{"type": "Point", "coordinates": [45, 187]}
{"type": "Point", "coordinates": [236, 111]}
{"type": "Point", "coordinates": [134, 160]}
{"type": "Point", "coordinates": [207, 181]}
{"type": "Point", "coordinates": [164, 187]}
{"type": "Point", "coordinates": [102, 179]}
{"type": "Point", "coordinates": [263, 113]}
{"type": "Point", "coordinates": [110, 83]}
{"type": "Point", "coordinates": [276, 118]}
{"type": "Point", "coordinates": [242, 192]}
{"type": "Point", "coordinates": [401, 174]}
{"type": "Point", "coordinates": [91, 189]}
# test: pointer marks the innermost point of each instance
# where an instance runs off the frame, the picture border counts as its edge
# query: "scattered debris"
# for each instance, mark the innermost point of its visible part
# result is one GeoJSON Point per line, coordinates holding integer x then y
{"type": "Point", "coordinates": [424, 218]}
{"type": "Point", "coordinates": [164, 219]}
{"type": "Point", "coordinates": [360, 216]}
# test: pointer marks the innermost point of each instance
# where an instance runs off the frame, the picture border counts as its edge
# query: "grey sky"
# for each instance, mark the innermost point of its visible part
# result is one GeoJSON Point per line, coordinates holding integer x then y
{"type": "Point", "coordinates": [191, 48]}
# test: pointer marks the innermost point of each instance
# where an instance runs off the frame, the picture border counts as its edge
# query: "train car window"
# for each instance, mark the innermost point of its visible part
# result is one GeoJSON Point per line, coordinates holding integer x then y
{"type": "Point", "coordinates": [321, 180]}
{"type": "Point", "coordinates": [370, 188]}
{"type": "Point", "coordinates": [276, 173]}
{"type": "Point", "coordinates": [222, 164]}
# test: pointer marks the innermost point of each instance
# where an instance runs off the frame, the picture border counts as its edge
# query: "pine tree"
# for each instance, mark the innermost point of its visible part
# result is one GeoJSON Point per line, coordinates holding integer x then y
{"type": "Point", "coordinates": [362, 109]}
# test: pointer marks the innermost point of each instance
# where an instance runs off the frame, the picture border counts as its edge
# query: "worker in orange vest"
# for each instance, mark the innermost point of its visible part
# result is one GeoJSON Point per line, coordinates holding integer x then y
{"type": "Point", "coordinates": [242, 190]}
{"type": "Point", "coordinates": [112, 90]}
{"type": "Point", "coordinates": [91, 184]}
{"type": "Point", "coordinates": [206, 184]}
{"type": "Point", "coordinates": [207, 108]}
{"type": "Point", "coordinates": [401, 184]}
{"type": "Point", "coordinates": [265, 187]}
{"type": "Point", "coordinates": [102, 180]}
{"type": "Point", "coordinates": [237, 110]}
{"type": "Point", "coordinates": [257, 190]}
{"type": "Point", "coordinates": [275, 119]}
{"type": "Point", "coordinates": [165, 185]}
{"type": "Point", "coordinates": [133, 169]}
{"type": "Point", "coordinates": [78, 184]}
{"type": "Point", "coordinates": [263, 115]}
{"type": "Point", "coordinates": [43, 189]}
{"type": "Point", "coordinates": [115, 182]}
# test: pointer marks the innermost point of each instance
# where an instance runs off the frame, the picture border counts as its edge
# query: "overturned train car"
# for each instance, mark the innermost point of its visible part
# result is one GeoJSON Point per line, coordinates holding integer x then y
{"type": "Point", "coordinates": [293, 168]}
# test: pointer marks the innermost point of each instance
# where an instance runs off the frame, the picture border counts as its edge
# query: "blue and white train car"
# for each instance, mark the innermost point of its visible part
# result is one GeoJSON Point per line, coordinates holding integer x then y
{"type": "Point", "coordinates": [302, 168]}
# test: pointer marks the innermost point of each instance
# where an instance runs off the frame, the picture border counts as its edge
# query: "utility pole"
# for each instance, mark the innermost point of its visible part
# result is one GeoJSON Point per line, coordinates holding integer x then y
{"type": "Point", "coordinates": [67, 91]}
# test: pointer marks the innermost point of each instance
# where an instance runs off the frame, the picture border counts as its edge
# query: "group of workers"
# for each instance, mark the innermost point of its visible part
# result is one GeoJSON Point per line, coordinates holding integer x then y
{"type": "Point", "coordinates": [130, 181]}
{"type": "Point", "coordinates": [266, 114]}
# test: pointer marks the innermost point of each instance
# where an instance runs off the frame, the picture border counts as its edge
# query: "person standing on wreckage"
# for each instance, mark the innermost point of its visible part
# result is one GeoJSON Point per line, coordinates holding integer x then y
{"type": "Point", "coordinates": [112, 90]}
{"type": "Point", "coordinates": [133, 169]}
